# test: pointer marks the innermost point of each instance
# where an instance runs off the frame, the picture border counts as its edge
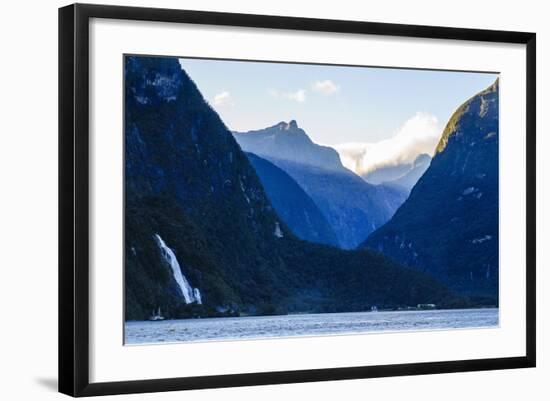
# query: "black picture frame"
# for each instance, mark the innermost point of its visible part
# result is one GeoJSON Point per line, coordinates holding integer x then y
{"type": "Point", "coordinates": [74, 198]}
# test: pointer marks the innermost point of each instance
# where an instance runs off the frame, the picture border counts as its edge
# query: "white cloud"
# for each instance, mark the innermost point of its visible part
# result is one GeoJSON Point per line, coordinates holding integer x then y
{"type": "Point", "coordinates": [297, 96]}
{"type": "Point", "coordinates": [326, 87]}
{"type": "Point", "coordinates": [419, 134]}
{"type": "Point", "coordinates": [222, 98]}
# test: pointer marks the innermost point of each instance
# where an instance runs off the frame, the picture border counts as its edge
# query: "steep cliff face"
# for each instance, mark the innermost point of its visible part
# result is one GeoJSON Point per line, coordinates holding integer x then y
{"type": "Point", "coordinates": [188, 181]}
{"type": "Point", "coordinates": [448, 227]}
{"type": "Point", "coordinates": [193, 202]}
{"type": "Point", "coordinates": [352, 207]}
{"type": "Point", "coordinates": [292, 204]}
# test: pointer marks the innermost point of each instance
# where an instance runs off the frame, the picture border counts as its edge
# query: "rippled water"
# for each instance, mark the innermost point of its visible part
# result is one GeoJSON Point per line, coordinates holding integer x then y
{"type": "Point", "coordinates": [137, 332]}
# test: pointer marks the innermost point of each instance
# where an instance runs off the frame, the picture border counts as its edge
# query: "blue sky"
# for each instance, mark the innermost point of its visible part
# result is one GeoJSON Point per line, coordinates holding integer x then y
{"type": "Point", "coordinates": [335, 105]}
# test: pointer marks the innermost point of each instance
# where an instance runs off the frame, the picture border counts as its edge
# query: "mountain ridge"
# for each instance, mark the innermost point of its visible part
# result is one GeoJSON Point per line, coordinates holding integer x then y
{"type": "Point", "coordinates": [289, 142]}
{"type": "Point", "coordinates": [448, 227]}
{"type": "Point", "coordinates": [320, 173]}
{"type": "Point", "coordinates": [417, 168]}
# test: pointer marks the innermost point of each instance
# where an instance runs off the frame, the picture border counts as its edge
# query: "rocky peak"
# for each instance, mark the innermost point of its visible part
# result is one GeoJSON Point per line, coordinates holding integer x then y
{"type": "Point", "coordinates": [287, 141]}
{"type": "Point", "coordinates": [292, 125]}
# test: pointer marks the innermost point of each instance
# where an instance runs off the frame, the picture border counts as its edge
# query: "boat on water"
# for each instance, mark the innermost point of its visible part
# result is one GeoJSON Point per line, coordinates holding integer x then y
{"type": "Point", "coordinates": [156, 316]}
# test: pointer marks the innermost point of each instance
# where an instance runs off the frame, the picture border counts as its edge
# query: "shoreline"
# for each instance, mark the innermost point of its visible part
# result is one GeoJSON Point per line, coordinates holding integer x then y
{"type": "Point", "coordinates": [315, 314]}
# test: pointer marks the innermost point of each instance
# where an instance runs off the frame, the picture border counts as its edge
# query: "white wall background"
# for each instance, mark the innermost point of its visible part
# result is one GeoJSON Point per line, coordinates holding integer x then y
{"type": "Point", "coordinates": [28, 201]}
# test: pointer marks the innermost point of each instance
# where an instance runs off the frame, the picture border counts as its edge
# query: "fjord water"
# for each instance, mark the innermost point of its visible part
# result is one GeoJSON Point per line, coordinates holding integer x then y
{"type": "Point", "coordinates": [255, 327]}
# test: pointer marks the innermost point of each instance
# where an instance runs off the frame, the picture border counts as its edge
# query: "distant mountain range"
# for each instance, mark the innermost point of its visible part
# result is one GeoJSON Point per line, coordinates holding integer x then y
{"type": "Point", "coordinates": [411, 177]}
{"type": "Point", "coordinates": [403, 176]}
{"type": "Point", "coordinates": [448, 227]}
{"type": "Point", "coordinates": [202, 237]}
{"type": "Point", "coordinates": [387, 173]}
{"type": "Point", "coordinates": [352, 207]}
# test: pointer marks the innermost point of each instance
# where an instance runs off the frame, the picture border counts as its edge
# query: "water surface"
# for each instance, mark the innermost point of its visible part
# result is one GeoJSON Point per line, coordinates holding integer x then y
{"type": "Point", "coordinates": [237, 328]}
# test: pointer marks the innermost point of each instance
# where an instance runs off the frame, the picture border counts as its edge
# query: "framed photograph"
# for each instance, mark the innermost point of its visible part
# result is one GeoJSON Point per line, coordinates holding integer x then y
{"type": "Point", "coordinates": [250, 199]}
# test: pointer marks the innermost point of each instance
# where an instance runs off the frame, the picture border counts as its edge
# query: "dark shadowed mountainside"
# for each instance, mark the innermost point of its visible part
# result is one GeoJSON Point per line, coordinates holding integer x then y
{"type": "Point", "coordinates": [448, 227]}
{"type": "Point", "coordinates": [292, 204]}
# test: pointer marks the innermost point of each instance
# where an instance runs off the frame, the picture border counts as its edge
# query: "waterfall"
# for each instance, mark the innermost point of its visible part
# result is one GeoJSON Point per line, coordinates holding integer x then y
{"type": "Point", "coordinates": [190, 294]}
{"type": "Point", "coordinates": [197, 295]}
{"type": "Point", "coordinates": [278, 233]}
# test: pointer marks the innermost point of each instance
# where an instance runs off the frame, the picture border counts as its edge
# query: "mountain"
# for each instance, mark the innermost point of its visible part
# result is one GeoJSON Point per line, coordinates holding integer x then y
{"type": "Point", "coordinates": [292, 204]}
{"type": "Point", "coordinates": [410, 177]}
{"type": "Point", "coordinates": [404, 175]}
{"type": "Point", "coordinates": [448, 227]}
{"type": "Point", "coordinates": [387, 173]}
{"type": "Point", "coordinates": [287, 141]}
{"type": "Point", "coordinates": [201, 236]}
{"type": "Point", "coordinates": [353, 207]}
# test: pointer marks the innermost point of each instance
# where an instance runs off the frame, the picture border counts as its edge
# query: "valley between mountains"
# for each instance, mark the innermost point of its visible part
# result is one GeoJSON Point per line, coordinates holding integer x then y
{"type": "Point", "coordinates": [267, 222]}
